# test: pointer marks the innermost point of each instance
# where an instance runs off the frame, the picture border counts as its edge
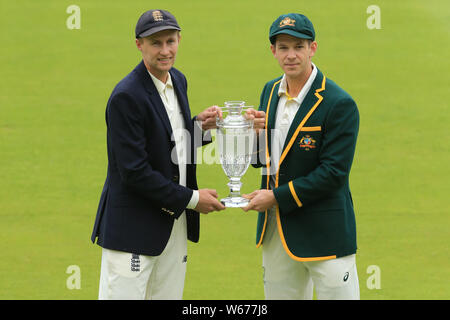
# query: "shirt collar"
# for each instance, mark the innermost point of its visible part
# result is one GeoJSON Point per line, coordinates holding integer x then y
{"type": "Point", "coordinates": [161, 86]}
{"type": "Point", "coordinates": [283, 86]}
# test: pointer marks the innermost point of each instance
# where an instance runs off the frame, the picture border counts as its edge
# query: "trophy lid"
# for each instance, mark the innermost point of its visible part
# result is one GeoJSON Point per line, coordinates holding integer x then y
{"type": "Point", "coordinates": [235, 119]}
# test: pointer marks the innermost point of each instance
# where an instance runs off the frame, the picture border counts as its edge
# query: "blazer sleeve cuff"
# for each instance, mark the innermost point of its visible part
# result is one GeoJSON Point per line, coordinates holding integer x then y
{"type": "Point", "coordinates": [176, 209]}
{"type": "Point", "coordinates": [287, 198]}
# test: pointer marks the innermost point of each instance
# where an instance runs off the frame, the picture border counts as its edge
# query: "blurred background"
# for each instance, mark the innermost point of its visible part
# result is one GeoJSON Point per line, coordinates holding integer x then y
{"type": "Point", "coordinates": [55, 83]}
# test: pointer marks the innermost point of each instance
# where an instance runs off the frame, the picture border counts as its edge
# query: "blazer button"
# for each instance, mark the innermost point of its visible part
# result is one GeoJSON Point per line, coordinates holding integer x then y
{"type": "Point", "coordinates": [175, 178]}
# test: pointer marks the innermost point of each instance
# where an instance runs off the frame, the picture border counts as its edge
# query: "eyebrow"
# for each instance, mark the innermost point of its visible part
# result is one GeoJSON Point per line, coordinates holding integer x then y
{"type": "Point", "coordinates": [155, 39]}
{"type": "Point", "coordinates": [281, 43]}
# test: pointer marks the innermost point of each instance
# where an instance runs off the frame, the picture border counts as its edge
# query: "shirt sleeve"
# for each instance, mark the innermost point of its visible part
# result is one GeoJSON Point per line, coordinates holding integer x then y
{"type": "Point", "coordinates": [194, 200]}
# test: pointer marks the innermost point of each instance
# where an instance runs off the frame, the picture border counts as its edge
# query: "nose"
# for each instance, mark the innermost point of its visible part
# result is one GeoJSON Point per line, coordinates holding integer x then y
{"type": "Point", "coordinates": [291, 54]}
{"type": "Point", "coordinates": [165, 49]}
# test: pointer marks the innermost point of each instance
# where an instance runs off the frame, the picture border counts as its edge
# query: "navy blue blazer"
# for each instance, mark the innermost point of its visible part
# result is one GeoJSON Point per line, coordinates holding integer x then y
{"type": "Point", "coordinates": [141, 196]}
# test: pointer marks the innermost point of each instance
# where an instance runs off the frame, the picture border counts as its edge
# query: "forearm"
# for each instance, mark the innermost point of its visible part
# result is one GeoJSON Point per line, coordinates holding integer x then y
{"type": "Point", "coordinates": [302, 191]}
{"type": "Point", "coordinates": [152, 185]}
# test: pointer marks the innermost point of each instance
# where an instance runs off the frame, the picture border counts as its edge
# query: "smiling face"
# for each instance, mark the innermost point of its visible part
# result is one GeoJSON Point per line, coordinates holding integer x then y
{"type": "Point", "coordinates": [159, 51]}
{"type": "Point", "coordinates": [294, 55]}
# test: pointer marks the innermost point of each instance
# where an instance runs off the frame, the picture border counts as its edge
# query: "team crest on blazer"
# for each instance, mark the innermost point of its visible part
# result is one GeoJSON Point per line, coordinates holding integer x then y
{"type": "Point", "coordinates": [307, 143]}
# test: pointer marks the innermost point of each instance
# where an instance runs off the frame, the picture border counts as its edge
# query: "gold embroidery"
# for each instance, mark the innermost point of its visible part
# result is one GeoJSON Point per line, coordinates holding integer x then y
{"type": "Point", "coordinates": [157, 15]}
{"type": "Point", "coordinates": [287, 22]}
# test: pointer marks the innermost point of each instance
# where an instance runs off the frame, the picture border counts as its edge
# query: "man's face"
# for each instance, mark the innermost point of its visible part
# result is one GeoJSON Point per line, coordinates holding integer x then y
{"type": "Point", "coordinates": [159, 51]}
{"type": "Point", "coordinates": [293, 54]}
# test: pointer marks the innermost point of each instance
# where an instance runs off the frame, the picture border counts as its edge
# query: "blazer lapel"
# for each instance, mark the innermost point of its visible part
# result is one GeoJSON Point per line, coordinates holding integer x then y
{"type": "Point", "coordinates": [308, 106]}
{"type": "Point", "coordinates": [271, 111]}
{"type": "Point", "coordinates": [182, 101]}
{"type": "Point", "coordinates": [155, 97]}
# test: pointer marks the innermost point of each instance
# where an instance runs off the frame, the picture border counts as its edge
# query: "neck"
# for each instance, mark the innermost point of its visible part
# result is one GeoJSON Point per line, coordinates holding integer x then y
{"type": "Point", "coordinates": [158, 74]}
{"type": "Point", "coordinates": [295, 84]}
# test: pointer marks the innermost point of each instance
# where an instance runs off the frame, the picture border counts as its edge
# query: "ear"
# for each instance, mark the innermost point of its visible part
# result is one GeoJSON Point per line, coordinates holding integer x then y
{"type": "Point", "coordinates": [273, 48]}
{"type": "Point", "coordinates": [313, 49]}
{"type": "Point", "coordinates": [138, 44]}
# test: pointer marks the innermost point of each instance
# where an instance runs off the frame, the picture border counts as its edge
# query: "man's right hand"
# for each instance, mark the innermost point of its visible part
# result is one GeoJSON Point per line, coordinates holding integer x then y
{"type": "Point", "coordinates": [208, 202]}
{"type": "Point", "coordinates": [258, 117]}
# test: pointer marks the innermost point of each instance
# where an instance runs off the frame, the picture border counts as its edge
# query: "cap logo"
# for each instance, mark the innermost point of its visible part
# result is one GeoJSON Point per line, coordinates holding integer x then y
{"type": "Point", "coordinates": [287, 22]}
{"type": "Point", "coordinates": [157, 15]}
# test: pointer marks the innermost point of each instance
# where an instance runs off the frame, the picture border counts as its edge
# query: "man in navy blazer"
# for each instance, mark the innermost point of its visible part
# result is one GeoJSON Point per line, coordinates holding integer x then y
{"type": "Point", "coordinates": [150, 204]}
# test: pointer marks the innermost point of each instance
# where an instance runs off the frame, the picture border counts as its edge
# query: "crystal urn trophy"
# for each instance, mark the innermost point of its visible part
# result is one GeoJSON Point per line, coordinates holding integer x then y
{"type": "Point", "coordinates": [235, 146]}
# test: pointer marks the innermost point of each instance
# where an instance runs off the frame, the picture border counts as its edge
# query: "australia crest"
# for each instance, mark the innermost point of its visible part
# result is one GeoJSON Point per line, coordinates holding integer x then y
{"type": "Point", "coordinates": [307, 143]}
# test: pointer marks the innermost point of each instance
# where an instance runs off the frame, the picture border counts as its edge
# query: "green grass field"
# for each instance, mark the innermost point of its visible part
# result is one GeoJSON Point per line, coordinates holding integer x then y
{"type": "Point", "coordinates": [54, 86]}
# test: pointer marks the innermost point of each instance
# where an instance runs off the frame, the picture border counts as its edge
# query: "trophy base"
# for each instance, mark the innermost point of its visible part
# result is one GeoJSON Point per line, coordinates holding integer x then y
{"type": "Point", "coordinates": [235, 202]}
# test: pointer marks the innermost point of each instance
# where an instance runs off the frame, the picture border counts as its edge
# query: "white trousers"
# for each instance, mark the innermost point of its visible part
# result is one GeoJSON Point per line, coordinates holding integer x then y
{"type": "Point", "coordinates": [288, 279]}
{"type": "Point", "coordinates": [128, 276]}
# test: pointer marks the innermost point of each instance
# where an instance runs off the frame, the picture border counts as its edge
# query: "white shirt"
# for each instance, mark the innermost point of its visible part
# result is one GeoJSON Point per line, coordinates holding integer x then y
{"type": "Point", "coordinates": [286, 110]}
{"type": "Point", "coordinates": [170, 101]}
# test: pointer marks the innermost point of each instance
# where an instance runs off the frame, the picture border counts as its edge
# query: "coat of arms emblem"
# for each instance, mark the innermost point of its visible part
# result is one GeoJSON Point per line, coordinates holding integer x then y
{"type": "Point", "coordinates": [307, 143]}
{"type": "Point", "coordinates": [287, 22]}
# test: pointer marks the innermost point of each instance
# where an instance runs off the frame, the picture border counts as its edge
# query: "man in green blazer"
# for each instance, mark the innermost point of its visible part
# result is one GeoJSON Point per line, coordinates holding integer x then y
{"type": "Point", "coordinates": [306, 220]}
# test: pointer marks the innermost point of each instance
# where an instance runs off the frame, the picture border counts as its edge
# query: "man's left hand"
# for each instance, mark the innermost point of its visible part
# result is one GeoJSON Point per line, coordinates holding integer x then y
{"type": "Point", "coordinates": [208, 117]}
{"type": "Point", "coordinates": [258, 117]}
{"type": "Point", "coordinates": [260, 200]}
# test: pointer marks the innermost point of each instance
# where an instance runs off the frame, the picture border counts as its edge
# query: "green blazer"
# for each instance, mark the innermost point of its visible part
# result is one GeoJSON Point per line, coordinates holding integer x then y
{"type": "Point", "coordinates": [315, 215]}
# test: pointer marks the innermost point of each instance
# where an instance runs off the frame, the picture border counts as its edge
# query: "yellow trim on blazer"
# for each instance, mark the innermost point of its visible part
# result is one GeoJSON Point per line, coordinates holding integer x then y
{"type": "Point", "coordinates": [266, 136]}
{"type": "Point", "coordinates": [280, 230]}
{"type": "Point", "coordinates": [283, 241]}
{"type": "Point", "coordinates": [299, 128]}
{"type": "Point", "coordinates": [318, 128]}
{"type": "Point", "coordinates": [283, 155]}
{"type": "Point", "coordinates": [294, 195]}
{"type": "Point", "coordinates": [267, 160]}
